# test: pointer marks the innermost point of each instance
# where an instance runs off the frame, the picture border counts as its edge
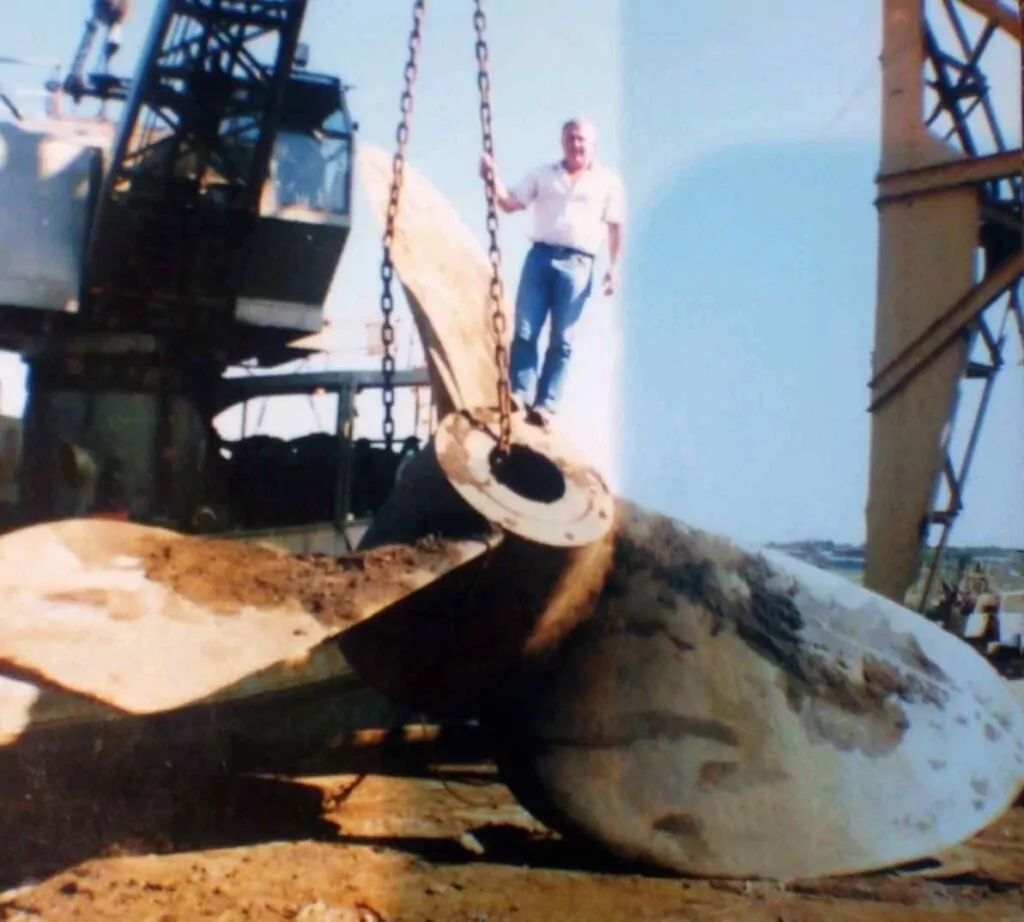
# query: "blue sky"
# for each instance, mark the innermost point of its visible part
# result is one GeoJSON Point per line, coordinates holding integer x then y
{"type": "Point", "coordinates": [727, 383]}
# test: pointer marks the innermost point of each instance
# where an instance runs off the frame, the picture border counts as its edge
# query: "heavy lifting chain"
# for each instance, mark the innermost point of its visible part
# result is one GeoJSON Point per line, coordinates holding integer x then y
{"type": "Point", "coordinates": [387, 271]}
{"type": "Point", "coordinates": [494, 251]}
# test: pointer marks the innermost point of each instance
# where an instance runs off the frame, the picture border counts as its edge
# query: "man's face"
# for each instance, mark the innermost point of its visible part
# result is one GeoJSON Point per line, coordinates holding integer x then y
{"type": "Point", "coordinates": [578, 145]}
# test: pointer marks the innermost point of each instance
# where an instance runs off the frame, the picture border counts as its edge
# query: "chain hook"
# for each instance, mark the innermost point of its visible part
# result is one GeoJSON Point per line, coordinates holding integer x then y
{"type": "Point", "coordinates": [494, 251]}
{"type": "Point", "coordinates": [387, 271]}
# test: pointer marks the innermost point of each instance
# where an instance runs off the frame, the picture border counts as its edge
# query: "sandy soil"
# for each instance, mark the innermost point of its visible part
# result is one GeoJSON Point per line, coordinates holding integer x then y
{"type": "Point", "coordinates": [410, 839]}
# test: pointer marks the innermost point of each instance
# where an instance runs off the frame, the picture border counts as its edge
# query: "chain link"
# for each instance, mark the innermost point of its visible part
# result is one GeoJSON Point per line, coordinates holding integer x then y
{"type": "Point", "coordinates": [494, 251]}
{"type": "Point", "coordinates": [387, 271]}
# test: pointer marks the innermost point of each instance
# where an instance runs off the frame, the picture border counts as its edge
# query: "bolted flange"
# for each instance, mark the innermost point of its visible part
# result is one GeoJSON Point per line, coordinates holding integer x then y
{"type": "Point", "coordinates": [536, 490]}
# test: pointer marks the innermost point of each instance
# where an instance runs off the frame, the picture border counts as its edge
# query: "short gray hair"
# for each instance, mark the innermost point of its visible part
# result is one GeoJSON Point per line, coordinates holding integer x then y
{"type": "Point", "coordinates": [580, 122]}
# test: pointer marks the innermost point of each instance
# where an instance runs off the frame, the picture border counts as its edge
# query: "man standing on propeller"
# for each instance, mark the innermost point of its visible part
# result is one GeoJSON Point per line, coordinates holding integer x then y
{"type": "Point", "coordinates": [577, 203]}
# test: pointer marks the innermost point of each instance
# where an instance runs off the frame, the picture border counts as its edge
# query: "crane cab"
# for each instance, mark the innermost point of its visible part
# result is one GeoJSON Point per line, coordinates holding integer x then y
{"type": "Point", "coordinates": [304, 210]}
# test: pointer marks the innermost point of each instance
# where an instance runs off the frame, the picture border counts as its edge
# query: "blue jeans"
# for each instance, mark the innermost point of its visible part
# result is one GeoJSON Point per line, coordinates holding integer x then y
{"type": "Point", "coordinates": [555, 280]}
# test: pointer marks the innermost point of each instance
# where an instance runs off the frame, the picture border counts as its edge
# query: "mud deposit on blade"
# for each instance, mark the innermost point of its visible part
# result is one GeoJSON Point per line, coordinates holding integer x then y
{"type": "Point", "coordinates": [855, 704]}
{"type": "Point", "coordinates": [224, 576]}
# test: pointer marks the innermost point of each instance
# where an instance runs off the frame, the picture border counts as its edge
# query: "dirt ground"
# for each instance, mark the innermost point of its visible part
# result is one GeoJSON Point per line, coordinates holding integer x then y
{"type": "Point", "coordinates": [400, 834]}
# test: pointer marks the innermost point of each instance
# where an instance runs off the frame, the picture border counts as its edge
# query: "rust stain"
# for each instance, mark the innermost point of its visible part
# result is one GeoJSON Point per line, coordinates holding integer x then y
{"type": "Point", "coordinates": [116, 605]}
{"type": "Point", "coordinates": [97, 597]}
{"type": "Point", "coordinates": [688, 829]}
{"type": "Point", "coordinates": [646, 726]}
{"type": "Point", "coordinates": [846, 706]}
{"type": "Point", "coordinates": [912, 654]}
{"type": "Point", "coordinates": [647, 628]}
{"type": "Point", "coordinates": [874, 732]}
{"type": "Point", "coordinates": [718, 775]}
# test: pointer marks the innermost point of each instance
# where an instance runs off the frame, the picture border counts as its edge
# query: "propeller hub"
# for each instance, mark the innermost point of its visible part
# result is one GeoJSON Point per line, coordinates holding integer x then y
{"type": "Point", "coordinates": [536, 490]}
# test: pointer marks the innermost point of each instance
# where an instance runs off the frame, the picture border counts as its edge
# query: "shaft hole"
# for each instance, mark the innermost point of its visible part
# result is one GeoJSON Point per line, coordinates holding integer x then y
{"type": "Point", "coordinates": [528, 474]}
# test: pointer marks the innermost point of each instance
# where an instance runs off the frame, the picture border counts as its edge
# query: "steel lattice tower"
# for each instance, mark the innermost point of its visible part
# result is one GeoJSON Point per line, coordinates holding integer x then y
{"type": "Point", "coordinates": [950, 265]}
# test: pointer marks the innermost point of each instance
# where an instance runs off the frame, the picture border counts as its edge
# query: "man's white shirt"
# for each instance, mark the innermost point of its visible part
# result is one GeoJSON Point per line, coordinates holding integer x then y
{"type": "Point", "coordinates": [572, 214]}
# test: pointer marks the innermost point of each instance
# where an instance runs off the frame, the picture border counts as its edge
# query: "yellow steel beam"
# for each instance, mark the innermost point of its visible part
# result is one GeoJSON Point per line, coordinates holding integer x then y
{"type": "Point", "coordinates": [942, 176]}
{"type": "Point", "coordinates": [942, 331]}
{"type": "Point", "coordinates": [929, 215]}
{"type": "Point", "coordinates": [1002, 15]}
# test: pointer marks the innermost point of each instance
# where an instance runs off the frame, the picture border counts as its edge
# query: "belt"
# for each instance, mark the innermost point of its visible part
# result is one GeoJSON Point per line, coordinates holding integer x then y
{"type": "Point", "coordinates": [559, 250]}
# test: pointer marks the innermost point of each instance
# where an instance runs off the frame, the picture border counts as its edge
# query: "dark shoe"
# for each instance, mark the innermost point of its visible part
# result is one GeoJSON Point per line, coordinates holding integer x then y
{"type": "Point", "coordinates": [540, 416]}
